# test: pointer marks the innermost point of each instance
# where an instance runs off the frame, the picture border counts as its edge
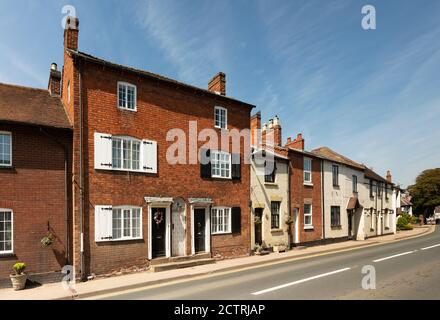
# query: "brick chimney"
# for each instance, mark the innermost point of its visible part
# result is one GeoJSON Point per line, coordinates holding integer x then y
{"type": "Point", "coordinates": [54, 85]}
{"type": "Point", "coordinates": [218, 84]}
{"type": "Point", "coordinates": [271, 132]}
{"type": "Point", "coordinates": [255, 127]}
{"type": "Point", "coordinates": [71, 33]}
{"type": "Point", "coordinates": [389, 177]}
{"type": "Point", "coordinates": [298, 143]}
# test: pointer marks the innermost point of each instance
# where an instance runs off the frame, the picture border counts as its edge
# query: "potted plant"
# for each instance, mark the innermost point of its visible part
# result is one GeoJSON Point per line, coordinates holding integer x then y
{"type": "Point", "coordinates": [19, 278]}
{"type": "Point", "coordinates": [280, 247]}
{"type": "Point", "coordinates": [47, 240]}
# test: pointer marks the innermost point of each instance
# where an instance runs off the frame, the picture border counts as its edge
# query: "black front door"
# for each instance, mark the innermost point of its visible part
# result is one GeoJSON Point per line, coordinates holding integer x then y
{"type": "Point", "coordinates": [350, 223]}
{"type": "Point", "coordinates": [199, 230]}
{"type": "Point", "coordinates": [158, 232]}
{"type": "Point", "coordinates": [257, 225]}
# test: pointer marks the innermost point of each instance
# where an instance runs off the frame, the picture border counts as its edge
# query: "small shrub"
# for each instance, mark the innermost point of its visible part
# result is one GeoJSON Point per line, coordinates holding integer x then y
{"type": "Point", "coordinates": [19, 268]}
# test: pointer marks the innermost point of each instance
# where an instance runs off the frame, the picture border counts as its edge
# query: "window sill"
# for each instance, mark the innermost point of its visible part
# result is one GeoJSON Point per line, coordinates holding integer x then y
{"type": "Point", "coordinates": [120, 240]}
{"type": "Point", "coordinates": [308, 184]}
{"type": "Point", "coordinates": [276, 230]}
{"type": "Point", "coordinates": [127, 109]}
{"type": "Point", "coordinates": [272, 184]}
{"type": "Point", "coordinates": [7, 168]}
{"type": "Point", "coordinates": [7, 255]}
{"type": "Point", "coordinates": [221, 233]}
{"type": "Point", "coordinates": [336, 227]}
{"type": "Point", "coordinates": [309, 228]}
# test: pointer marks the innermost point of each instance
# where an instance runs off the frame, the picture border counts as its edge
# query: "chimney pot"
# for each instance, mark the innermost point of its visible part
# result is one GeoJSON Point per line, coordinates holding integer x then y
{"type": "Point", "coordinates": [54, 85]}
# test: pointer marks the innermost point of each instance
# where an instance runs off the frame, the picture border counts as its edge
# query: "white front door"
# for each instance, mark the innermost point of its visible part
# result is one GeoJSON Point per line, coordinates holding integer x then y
{"type": "Point", "coordinates": [178, 232]}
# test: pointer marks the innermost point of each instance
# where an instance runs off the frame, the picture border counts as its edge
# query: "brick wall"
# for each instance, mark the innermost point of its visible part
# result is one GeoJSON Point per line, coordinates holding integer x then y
{"type": "Point", "coordinates": [160, 107]}
{"type": "Point", "coordinates": [301, 194]}
{"type": "Point", "coordinates": [34, 189]}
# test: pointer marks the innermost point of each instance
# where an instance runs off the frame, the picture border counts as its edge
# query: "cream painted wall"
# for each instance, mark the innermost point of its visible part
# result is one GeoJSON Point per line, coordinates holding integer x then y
{"type": "Point", "coordinates": [262, 194]}
{"type": "Point", "coordinates": [339, 196]}
{"type": "Point", "coordinates": [376, 221]}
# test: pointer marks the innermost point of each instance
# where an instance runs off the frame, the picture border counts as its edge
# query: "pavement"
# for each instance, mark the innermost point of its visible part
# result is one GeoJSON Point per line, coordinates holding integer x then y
{"type": "Point", "coordinates": [241, 275]}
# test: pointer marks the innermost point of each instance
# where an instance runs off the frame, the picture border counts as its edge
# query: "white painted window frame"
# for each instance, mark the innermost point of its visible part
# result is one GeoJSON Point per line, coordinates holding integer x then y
{"type": "Point", "coordinates": [307, 171]}
{"type": "Point", "coordinates": [127, 84]}
{"type": "Point", "coordinates": [310, 225]}
{"type": "Point", "coordinates": [131, 208]}
{"type": "Point", "coordinates": [12, 232]}
{"type": "Point", "coordinates": [213, 153]}
{"type": "Point", "coordinates": [10, 149]}
{"type": "Point", "coordinates": [225, 117]}
{"type": "Point", "coordinates": [229, 225]}
{"type": "Point", "coordinates": [131, 139]}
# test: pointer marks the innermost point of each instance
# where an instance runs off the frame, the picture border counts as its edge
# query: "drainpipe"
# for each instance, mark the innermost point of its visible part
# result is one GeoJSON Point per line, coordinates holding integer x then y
{"type": "Point", "coordinates": [289, 209]}
{"type": "Point", "coordinates": [66, 198]}
{"type": "Point", "coordinates": [81, 180]}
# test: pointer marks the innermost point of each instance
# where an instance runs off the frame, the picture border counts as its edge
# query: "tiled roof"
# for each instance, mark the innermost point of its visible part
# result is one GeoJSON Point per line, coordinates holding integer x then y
{"type": "Point", "coordinates": [31, 106]}
{"type": "Point", "coordinates": [329, 154]}
{"type": "Point", "coordinates": [144, 73]}
{"type": "Point", "coordinates": [370, 174]}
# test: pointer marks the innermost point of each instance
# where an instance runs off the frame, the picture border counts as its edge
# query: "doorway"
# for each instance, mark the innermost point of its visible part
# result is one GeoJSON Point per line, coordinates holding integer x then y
{"type": "Point", "coordinates": [199, 230]}
{"type": "Point", "coordinates": [158, 232]}
{"type": "Point", "coordinates": [258, 229]}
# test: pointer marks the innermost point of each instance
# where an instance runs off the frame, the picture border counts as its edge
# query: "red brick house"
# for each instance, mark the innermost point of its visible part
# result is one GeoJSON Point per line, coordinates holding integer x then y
{"type": "Point", "coordinates": [305, 192]}
{"type": "Point", "coordinates": [131, 205]}
{"type": "Point", "coordinates": [35, 140]}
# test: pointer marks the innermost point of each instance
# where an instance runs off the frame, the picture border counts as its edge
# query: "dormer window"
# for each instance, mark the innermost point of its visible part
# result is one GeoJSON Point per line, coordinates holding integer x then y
{"type": "Point", "coordinates": [220, 117]}
{"type": "Point", "coordinates": [126, 96]}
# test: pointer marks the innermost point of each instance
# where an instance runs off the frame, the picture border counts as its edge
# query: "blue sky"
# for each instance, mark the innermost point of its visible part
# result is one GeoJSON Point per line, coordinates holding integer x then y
{"type": "Point", "coordinates": [371, 95]}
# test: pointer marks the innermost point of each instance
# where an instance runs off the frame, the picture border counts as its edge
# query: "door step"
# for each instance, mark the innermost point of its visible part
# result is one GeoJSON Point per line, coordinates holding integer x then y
{"type": "Point", "coordinates": [181, 264]}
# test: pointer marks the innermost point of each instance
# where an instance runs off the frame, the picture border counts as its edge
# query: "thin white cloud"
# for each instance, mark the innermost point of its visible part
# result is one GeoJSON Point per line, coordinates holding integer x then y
{"type": "Point", "coordinates": [189, 38]}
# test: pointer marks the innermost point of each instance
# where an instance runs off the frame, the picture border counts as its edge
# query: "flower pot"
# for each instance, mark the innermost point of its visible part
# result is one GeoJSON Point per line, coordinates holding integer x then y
{"type": "Point", "coordinates": [279, 248]}
{"type": "Point", "coordinates": [18, 281]}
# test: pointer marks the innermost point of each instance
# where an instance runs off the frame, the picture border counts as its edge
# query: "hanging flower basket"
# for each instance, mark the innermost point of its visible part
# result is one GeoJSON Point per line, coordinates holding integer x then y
{"type": "Point", "coordinates": [47, 240]}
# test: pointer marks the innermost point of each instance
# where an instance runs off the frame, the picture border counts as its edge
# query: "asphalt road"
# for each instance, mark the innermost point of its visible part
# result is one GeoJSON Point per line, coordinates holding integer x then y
{"type": "Point", "coordinates": [408, 269]}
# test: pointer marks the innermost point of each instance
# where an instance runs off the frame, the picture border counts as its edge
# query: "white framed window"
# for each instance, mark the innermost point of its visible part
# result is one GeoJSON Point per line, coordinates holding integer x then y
{"type": "Point", "coordinates": [126, 153]}
{"type": "Point", "coordinates": [220, 220]}
{"type": "Point", "coordinates": [6, 231]}
{"type": "Point", "coordinates": [308, 223]}
{"type": "Point", "coordinates": [5, 149]}
{"type": "Point", "coordinates": [220, 117]}
{"type": "Point", "coordinates": [127, 96]}
{"type": "Point", "coordinates": [126, 223]}
{"type": "Point", "coordinates": [307, 170]}
{"type": "Point", "coordinates": [220, 164]}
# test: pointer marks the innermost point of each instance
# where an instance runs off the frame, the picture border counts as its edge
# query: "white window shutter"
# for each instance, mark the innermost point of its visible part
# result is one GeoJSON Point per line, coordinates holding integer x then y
{"type": "Point", "coordinates": [149, 156]}
{"type": "Point", "coordinates": [103, 151]}
{"type": "Point", "coordinates": [103, 223]}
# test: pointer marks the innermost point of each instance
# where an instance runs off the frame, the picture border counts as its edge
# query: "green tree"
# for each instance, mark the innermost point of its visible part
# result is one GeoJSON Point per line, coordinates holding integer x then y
{"type": "Point", "coordinates": [426, 192]}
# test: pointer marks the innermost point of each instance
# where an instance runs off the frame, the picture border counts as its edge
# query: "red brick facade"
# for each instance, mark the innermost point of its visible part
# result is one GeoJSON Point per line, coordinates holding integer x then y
{"type": "Point", "coordinates": [301, 193]}
{"type": "Point", "coordinates": [34, 189]}
{"type": "Point", "coordinates": [161, 106]}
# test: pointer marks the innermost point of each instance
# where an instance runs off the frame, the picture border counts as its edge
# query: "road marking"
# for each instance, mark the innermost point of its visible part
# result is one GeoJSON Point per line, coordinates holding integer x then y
{"type": "Point", "coordinates": [298, 281]}
{"type": "Point", "coordinates": [394, 256]}
{"type": "Point", "coordinates": [426, 248]}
